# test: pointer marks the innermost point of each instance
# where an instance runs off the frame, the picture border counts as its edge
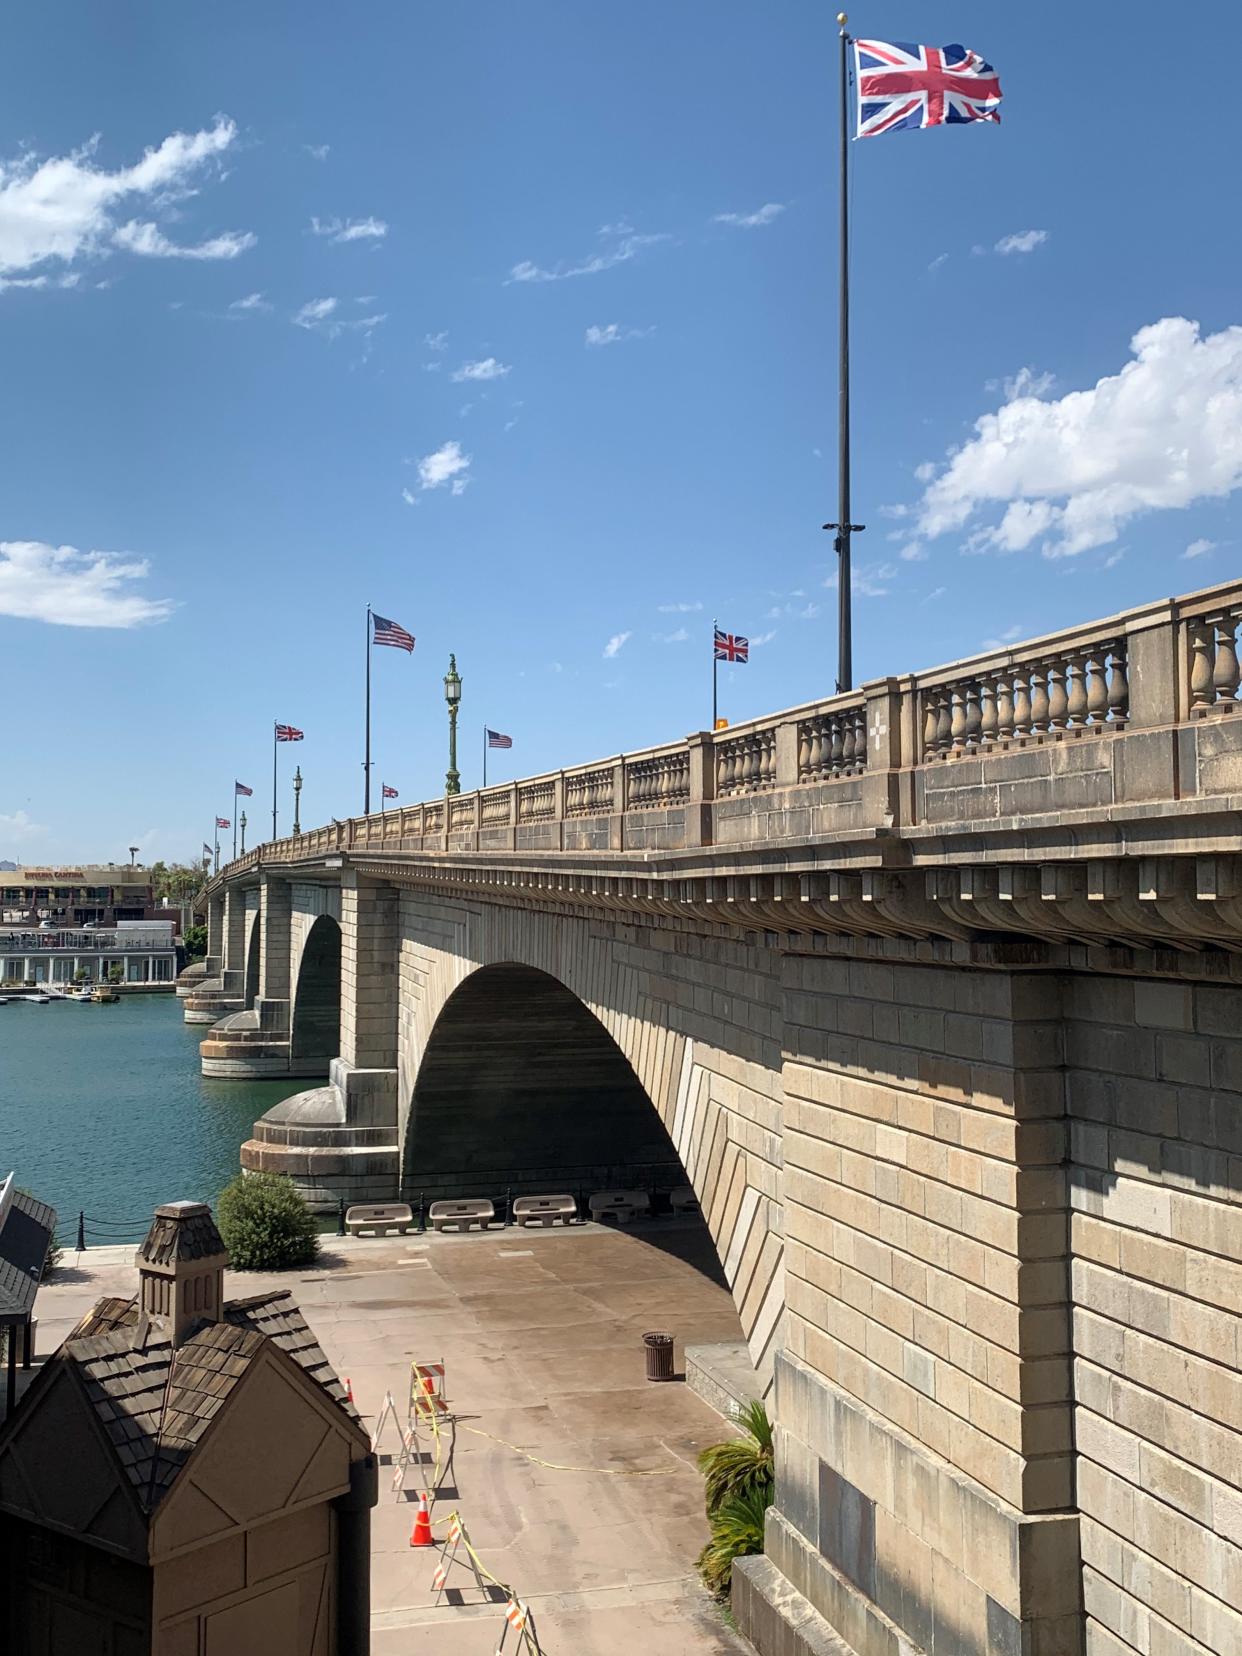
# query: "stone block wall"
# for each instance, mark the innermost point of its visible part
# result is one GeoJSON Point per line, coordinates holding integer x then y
{"type": "Point", "coordinates": [1154, 1076]}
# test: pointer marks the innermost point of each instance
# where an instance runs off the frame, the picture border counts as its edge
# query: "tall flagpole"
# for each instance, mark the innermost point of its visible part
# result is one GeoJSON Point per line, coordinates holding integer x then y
{"type": "Point", "coordinates": [235, 822]}
{"type": "Point", "coordinates": [485, 756]}
{"type": "Point", "coordinates": [843, 526]}
{"type": "Point", "coordinates": [366, 767]}
{"type": "Point", "coordinates": [715, 670]}
{"type": "Point", "coordinates": [273, 778]}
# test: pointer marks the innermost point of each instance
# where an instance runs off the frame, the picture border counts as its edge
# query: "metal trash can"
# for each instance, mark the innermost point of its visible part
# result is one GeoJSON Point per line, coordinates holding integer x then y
{"type": "Point", "coordinates": [659, 1356]}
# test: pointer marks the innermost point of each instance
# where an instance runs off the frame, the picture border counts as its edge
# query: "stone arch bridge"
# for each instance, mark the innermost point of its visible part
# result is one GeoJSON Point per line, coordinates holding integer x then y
{"type": "Point", "coordinates": [931, 991]}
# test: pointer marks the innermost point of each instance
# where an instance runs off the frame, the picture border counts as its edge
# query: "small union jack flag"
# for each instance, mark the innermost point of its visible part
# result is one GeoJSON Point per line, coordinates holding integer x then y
{"type": "Point", "coordinates": [389, 793]}
{"type": "Point", "coordinates": [223, 822]}
{"type": "Point", "coordinates": [390, 632]}
{"type": "Point", "coordinates": [902, 86]}
{"type": "Point", "coordinates": [289, 733]}
{"type": "Point", "coordinates": [496, 740]}
{"type": "Point", "coordinates": [731, 646]}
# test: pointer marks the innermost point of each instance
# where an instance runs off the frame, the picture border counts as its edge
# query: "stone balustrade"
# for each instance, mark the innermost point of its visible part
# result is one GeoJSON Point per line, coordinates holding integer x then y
{"type": "Point", "coordinates": [1087, 718]}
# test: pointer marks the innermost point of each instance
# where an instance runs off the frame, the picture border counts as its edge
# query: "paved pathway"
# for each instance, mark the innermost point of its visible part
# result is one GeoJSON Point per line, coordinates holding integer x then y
{"type": "Point", "coordinates": [575, 1475]}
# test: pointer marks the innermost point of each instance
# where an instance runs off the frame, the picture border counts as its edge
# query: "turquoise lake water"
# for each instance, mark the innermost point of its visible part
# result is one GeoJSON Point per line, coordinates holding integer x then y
{"type": "Point", "coordinates": [102, 1107]}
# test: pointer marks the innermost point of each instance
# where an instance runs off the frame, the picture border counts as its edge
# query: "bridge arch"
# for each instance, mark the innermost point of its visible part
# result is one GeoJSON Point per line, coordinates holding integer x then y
{"type": "Point", "coordinates": [556, 1051]}
{"type": "Point", "coordinates": [315, 1024]}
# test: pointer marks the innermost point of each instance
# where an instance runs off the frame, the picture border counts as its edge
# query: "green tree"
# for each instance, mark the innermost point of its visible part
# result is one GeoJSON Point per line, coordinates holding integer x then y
{"type": "Point", "coordinates": [195, 940]}
{"type": "Point", "coordinates": [116, 974]}
{"type": "Point", "coordinates": [737, 1532]}
{"type": "Point", "coordinates": [739, 1482]}
{"type": "Point", "coordinates": [175, 881]}
{"type": "Point", "coordinates": [265, 1223]}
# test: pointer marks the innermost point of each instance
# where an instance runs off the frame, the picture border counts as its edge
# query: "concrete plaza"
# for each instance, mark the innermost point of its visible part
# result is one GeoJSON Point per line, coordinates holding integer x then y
{"type": "Point", "coordinates": [574, 1474]}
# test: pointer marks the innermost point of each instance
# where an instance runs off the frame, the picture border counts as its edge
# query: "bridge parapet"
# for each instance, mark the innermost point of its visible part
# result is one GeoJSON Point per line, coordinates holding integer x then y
{"type": "Point", "coordinates": [1119, 713]}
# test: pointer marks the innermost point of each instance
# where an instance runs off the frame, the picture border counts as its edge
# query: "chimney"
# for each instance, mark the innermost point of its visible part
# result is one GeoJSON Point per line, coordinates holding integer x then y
{"type": "Point", "coordinates": [181, 1268]}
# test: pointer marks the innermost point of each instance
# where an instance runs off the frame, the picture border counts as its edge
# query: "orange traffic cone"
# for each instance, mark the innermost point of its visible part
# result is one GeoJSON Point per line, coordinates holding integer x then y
{"type": "Point", "coordinates": [420, 1535]}
{"type": "Point", "coordinates": [349, 1390]}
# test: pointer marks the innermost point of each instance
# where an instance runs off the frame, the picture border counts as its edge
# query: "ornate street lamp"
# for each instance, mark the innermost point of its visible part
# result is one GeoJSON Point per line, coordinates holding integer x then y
{"type": "Point", "coordinates": [241, 823]}
{"type": "Point", "coordinates": [297, 799]}
{"type": "Point", "coordinates": [452, 695]}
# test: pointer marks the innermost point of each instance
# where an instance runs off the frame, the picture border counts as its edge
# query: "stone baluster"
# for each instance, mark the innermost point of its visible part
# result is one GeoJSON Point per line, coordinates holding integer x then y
{"type": "Point", "coordinates": [944, 723]}
{"type": "Point", "coordinates": [1225, 667]}
{"type": "Point", "coordinates": [974, 715]}
{"type": "Point", "coordinates": [1118, 688]}
{"type": "Point", "coordinates": [1021, 702]}
{"type": "Point", "coordinates": [930, 724]}
{"type": "Point", "coordinates": [1039, 700]}
{"type": "Point", "coordinates": [847, 744]}
{"type": "Point", "coordinates": [1004, 706]}
{"type": "Point", "coordinates": [1097, 687]}
{"type": "Point", "coordinates": [1076, 702]}
{"type": "Point", "coordinates": [957, 720]}
{"type": "Point", "coordinates": [1058, 699]}
{"type": "Point", "coordinates": [1202, 693]}
{"type": "Point", "coordinates": [858, 720]}
{"type": "Point", "coordinates": [836, 754]}
{"type": "Point", "coordinates": [989, 719]}
{"type": "Point", "coordinates": [805, 744]}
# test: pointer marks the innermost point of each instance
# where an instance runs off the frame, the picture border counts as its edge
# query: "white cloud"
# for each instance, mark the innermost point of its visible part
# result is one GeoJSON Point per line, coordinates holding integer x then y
{"type": "Point", "coordinates": [616, 644]}
{"type": "Point", "coordinates": [1009, 636]}
{"type": "Point", "coordinates": [150, 242]}
{"type": "Point", "coordinates": [61, 208]}
{"type": "Point", "coordinates": [252, 302]}
{"type": "Point", "coordinates": [867, 580]}
{"type": "Point", "coordinates": [763, 638]}
{"type": "Point", "coordinates": [349, 230]}
{"type": "Point", "coordinates": [913, 552]}
{"type": "Point", "coordinates": [1023, 241]}
{"type": "Point", "coordinates": [679, 609]}
{"type": "Point", "coordinates": [446, 465]}
{"type": "Point", "coordinates": [487, 369]}
{"type": "Point", "coordinates": [612, 333]}
{"type": "Point", "coordinates": [1163, 432]}
{"type": "Point", "coordinates": [317, 152]}
{"type": "Point", "coordinates": [16, 827]}
{"type": "Point", "coordinates": [68, 588]}
{"type": "Point", "coordinates": [323, 316]}
{"type": "Point", "coordinates": [626, 244]}
{"type": "Point", "coordinates": [1199, 549]}
{"type": "Point", "coordinates": [936, 592]}
{"type": "Point", "coordinates": [937, 262]}
{"type": "Point", "coordinates": [678, 637]}
{"type": "Point", "coordinates": [70, 279]}
{"type": "Point", "coordinates": [752, 221]}
{"type": "Point", "coordinates": [1027, 382]}
{"type": "Point", "coordinates": [436, 341]}
{"type": "Point", "coordinates": [410, 499]}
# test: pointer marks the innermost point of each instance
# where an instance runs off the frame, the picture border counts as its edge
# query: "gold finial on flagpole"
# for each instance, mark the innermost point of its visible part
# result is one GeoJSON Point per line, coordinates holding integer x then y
{"type": "Point", "coordinates": [843, 18]}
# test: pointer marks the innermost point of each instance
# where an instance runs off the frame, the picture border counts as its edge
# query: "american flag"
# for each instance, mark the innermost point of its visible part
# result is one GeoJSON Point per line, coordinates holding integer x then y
{"type": "Point", "coordinates": [496, 740]}
{"type": "Point", "coordinates": [241, 788]}
{"type": "Point", "coordinates": [223, 822]}
{"type": "Point", "coordinates": [389, 793]}
{"type": "Point", "coordinates": [289, 733]}
{"type": "Point", "coordinates": [903, 86]}
{"type": "Point", "coordinates": [207, 850]}
{"type": "Point", "coordinates": [391, 632]}
{"type": "Point", "coordinates": [731, 646]}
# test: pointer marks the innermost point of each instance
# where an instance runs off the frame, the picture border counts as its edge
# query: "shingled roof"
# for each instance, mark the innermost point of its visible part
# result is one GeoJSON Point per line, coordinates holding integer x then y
{"type": "Point", "coordinates": [155, 1403]}
{"type": "Point", "coordinates": [26, 1231]}
{"type": "Point", "coordinates": [181, 1231]}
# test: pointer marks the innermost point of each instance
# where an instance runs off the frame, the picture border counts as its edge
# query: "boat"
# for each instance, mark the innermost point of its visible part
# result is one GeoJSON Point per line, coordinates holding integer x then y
{"type": "Point", "coordinates": [101, 992]}
{"type": "Point", "coordinates": [78, 995]}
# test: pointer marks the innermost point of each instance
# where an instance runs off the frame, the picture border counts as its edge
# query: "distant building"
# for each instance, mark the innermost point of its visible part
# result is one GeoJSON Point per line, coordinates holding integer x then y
{"type": "Point", "coordinates": [186, 1474]}
{"type": "Point", "coordinates": [145, 951]}
{"type": "Point", "coordinates": [95, 894]}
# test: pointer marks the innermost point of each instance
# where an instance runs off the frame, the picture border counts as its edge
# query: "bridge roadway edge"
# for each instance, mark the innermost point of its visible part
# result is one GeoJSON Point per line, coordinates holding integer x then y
{"type": "Point", "coordinates": [952, 1052]}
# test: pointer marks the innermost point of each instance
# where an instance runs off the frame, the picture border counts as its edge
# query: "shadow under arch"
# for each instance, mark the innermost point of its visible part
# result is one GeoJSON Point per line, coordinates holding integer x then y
{"type": "Point", "coordinates": [520, 1086]}
{"type": "Point", "coordinates": [315, 1025]}
{"type": "Point", "coordinates": [252, 960]}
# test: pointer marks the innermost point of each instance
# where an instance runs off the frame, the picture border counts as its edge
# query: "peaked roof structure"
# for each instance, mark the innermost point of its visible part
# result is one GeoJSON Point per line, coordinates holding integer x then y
{"type": "Point", "coordinates": [156, 1402]}
{"type": "Point", "coordinates": [26, 1231]}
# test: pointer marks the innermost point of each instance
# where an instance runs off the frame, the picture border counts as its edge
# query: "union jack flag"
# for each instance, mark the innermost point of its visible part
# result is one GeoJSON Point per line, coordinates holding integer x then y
{"type": "Point", "coordinates": [223, 822]}
{"type": "Point", "coordinates": [389, 793]}
{"type": "Point", "coordinates": [902, 86]}
{"type": "Point", "coordinates": [289, 733]}
{"type": "Point", "coordinates": [731, 646]}
{"type": "Point", "coordinates": [391, 632]}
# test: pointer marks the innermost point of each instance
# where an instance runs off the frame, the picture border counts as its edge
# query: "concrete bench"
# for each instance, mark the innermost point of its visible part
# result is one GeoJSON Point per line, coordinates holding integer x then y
{"type": "Point", "coordinates": [621, 1205]}
{"type": "Point", "coordinates": [683, 1200]}
{"type": "Point", "coordinates": [471, 1211]}
{"type": "Point", "coordinates": [379, 1217]}
{"type": "Point", "coordinates": [544, 1210]}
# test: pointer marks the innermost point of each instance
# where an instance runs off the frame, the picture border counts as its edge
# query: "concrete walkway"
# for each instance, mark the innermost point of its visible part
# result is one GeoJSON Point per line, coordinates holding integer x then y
{"type": "Point", "coordinates": [574, 1474]}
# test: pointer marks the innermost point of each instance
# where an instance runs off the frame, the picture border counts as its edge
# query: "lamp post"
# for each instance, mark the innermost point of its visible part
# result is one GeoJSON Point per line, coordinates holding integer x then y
{"type": "Point", "coordinates": [452, 695]}
{"type": "Point", "coordinates": [297, 799]}
{"type": "Point", "coordinates": [241, 823]}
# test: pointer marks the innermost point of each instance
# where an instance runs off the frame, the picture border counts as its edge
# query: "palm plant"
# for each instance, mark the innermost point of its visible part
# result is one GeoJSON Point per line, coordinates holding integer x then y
{"type": "Point", "coordinates": [737, 1532]}
{"type": "Point", "coordinates": [742, 1463]}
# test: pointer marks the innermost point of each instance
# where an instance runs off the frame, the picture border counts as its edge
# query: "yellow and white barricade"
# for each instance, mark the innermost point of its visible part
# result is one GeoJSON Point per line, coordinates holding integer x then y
{"type": "Point", "coordinates": [427, 1394]}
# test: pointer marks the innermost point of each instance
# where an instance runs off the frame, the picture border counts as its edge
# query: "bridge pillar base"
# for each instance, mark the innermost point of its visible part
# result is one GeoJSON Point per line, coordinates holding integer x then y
{"type": "Point", "coordinates": [877, 1542]}
{"type": "Point", "coordinates": [337, 1142]}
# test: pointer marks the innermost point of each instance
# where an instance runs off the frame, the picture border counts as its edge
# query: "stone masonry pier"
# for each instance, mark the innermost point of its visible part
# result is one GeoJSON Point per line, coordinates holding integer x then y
{"type": "Point", "coordinates": [933, 992]}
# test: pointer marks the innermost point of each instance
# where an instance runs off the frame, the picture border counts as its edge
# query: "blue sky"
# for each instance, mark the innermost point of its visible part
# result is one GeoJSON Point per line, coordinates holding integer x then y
{"type": "Point", "coordinates": [574, 393]}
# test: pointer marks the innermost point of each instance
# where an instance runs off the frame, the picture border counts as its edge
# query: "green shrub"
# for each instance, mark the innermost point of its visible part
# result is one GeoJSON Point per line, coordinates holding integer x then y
{"type": "Point", "coordinates": [195, 940]}
{"type": "Point", "coordinates": [116, 974]}
{"type": "Point", "coordinates": [739, 1481]}
{"type": "Point", "coordinates": [265, 1223]}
